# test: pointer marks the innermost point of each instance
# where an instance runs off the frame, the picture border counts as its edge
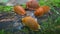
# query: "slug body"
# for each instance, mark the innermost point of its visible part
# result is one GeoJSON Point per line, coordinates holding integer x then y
{"type": "Point", "coordinates": [19, 10]}
{"type": "Point", "coordinates": [46, 9]}
{"type": "Point", "coordinates": [32, 4]}
{"type": "Point", "coordinates": [41, 11]}
{"type": "Point", "coordinates": [31, 23]}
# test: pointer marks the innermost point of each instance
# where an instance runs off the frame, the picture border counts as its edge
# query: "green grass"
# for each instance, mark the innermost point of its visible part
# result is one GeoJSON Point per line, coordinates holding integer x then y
{"type": "Point", "coordinates": [51, 2]}
{"type": "Point", "coordinates": [2, 31]}
{"type": "Point", "coordinates": [6, 9]}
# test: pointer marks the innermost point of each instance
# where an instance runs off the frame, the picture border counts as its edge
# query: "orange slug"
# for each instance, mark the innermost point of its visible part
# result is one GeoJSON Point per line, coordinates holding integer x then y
{"type": "Point", "coordinates": [41, 11]}
{"type": "Point", "coordinates": [19, 10]}
{"type": "Point", "coordinates": [32, 5]}
{"type": "Point", "coordinates": [46, 8]}
{"type": "Point", "coordinates": [31, 23]}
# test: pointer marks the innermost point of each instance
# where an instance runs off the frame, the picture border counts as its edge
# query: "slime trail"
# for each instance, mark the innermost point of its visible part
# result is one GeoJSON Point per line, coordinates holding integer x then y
{"type": "Point", "coordinates": [30, 13]}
